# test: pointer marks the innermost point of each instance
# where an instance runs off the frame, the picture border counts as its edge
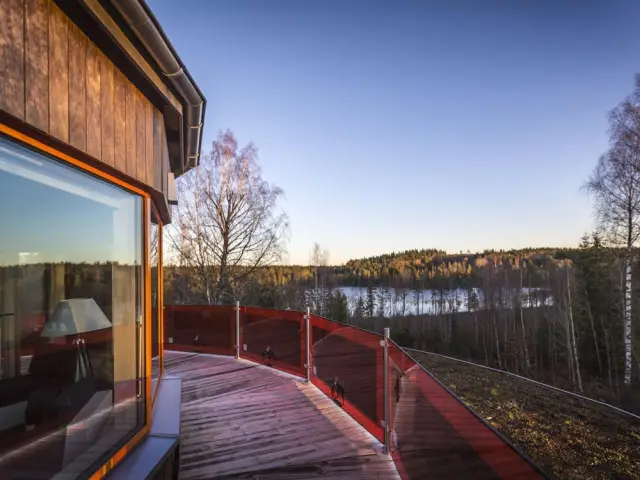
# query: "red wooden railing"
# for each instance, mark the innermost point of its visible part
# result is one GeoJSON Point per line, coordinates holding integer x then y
{"type": "Point", "coordinates": [434, 435]}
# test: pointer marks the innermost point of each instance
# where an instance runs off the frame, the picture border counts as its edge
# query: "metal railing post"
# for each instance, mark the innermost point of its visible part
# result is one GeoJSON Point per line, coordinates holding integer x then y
{"type": "Point", "coordinates": [237, 330]}
{"type": "Point", "coordinates": [385, 379]}
{"type": "Point", "coordinates": [307, 319]}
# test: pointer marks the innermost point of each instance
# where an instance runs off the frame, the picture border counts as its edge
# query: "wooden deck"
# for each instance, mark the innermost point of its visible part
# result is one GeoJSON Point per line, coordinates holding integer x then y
{"type": "Point", "coordinates": [243, 420]}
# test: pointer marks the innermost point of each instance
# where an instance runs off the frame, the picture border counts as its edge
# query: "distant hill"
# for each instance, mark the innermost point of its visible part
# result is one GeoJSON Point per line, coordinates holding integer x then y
{"type": "Point", "coordinates": [418, 268]}
{"type": "Point", "coordinates": [431, 267]}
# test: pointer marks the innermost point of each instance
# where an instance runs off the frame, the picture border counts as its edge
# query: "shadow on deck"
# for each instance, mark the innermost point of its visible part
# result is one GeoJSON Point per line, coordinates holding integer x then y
{"type": "Point", "coordinates": [244, 420]}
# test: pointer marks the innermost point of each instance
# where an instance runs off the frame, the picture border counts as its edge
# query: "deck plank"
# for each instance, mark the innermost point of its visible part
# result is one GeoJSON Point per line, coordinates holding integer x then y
{"type": "Point", "coordinates": [243, 420]}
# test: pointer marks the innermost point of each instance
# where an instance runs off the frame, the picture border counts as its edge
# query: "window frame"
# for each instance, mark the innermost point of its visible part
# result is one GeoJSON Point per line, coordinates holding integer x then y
{"type": "Point", "coordinates": [160, 293]}
{"type": "Point", "coordinates": [144, 353]}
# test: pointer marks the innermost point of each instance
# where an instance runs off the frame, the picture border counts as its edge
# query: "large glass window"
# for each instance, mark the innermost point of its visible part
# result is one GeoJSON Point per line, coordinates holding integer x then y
{"type": "Point", "coordinates": [70, 301]}
{"type": "Point", "coordinates": [155, 255]}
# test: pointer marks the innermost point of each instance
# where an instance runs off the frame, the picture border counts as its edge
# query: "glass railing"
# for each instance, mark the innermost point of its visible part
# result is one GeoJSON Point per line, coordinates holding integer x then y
{"type": "Point", "coordinates": [568, 435]}
{"type": "Point", "coordinates": [432, 433]}
{"type": "Point", "coordinates": [347, 364]}
{"type": "Point", "coordinates": [201, 329]}
{"type": "Point", "coordinates": [274, 337]}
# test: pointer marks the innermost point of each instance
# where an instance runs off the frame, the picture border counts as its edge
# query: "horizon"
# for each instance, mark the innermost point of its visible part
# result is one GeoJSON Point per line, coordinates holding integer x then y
{"type": "Point", "coordinates": [391, 126]}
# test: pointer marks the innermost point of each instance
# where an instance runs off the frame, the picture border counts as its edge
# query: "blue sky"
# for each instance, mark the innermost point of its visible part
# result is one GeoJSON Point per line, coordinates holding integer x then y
{"type": "Point", "coordinates": [460, 125]}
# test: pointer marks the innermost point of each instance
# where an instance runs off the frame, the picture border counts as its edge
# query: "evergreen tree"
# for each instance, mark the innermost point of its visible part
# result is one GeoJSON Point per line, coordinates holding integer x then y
{"type": "Point", "coordinates": [359, 310]}
{"type": "Point", "coordinates": [382, 294]}
{"type": "Point", "coordinates": [473, 302]}
{"type": "Point", "coordinates": [337, 307]}
{"type": "Point", "coordinates": [371, 302]}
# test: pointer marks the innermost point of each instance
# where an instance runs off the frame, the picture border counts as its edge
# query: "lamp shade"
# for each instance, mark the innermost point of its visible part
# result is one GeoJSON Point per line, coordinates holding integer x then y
{"type": "Point", "coordinates": [74, 316]}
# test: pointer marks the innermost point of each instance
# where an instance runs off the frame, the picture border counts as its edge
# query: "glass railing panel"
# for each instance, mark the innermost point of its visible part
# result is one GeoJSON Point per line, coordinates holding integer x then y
{"type": "Point", "coordinates": [276, 338]}
{"type": "Point", "coordinates": [200, 328]}
{"type": "Point", "coordinates": [218, 329]}
{"type": "Point", "coordinates": [399, 363]}
{"type": "Point", "coordinates": [182, 327]}
{"type": "Point", "coordinates": [567, 435]}
{"type": "Point", "coordinates": [437, 435]}
{"type": "Point", "coordinates": [348, 366]}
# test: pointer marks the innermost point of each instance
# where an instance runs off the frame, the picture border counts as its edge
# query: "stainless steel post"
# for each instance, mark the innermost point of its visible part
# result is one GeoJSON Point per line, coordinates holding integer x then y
{"type": "Point", "coordinates": [307, 319]}
{"type": "Point", "coordinates": [237, 330]}
{"type": "Point", "coordinates": [385, 379]}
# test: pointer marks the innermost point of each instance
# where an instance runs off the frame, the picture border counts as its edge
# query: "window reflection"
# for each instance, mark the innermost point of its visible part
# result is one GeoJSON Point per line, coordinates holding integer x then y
{"type": "Point", "coordinates": [154, 256]}
{"type": "Point", "coordinates": [70, 294]}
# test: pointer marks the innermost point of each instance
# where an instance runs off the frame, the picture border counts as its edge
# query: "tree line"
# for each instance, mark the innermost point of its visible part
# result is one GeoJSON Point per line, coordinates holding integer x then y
{"type": "Point", "coordinates": [410, 269]}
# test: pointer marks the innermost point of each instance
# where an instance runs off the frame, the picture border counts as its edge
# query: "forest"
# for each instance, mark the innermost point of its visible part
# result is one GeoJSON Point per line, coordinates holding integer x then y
{"type": "Point", "coordinates": [412, 269]}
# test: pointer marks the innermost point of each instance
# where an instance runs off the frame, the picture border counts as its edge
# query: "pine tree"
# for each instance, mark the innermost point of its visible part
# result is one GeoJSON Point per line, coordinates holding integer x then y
{"type": "Point", "coordinates": [359, 310]}
{"type": "Point", "coordinates": [371, 302]}
{"type": "Point", "coordinates": [337, 307]}
{"type": "Point", "coordinates": [382, 294]}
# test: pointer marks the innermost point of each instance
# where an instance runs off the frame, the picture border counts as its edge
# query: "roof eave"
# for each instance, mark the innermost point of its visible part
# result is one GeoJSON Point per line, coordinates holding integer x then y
{"type": "Point", "coordinates": [142, 22]}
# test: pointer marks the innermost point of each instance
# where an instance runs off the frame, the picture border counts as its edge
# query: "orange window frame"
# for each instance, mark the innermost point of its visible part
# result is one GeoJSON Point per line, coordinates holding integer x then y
{"type": "Point", "coordinates": [161, 298]}
{"type": "Point", "coordinates": [110, 463]}
{"type": "Point", "coordinates": [160, 287]}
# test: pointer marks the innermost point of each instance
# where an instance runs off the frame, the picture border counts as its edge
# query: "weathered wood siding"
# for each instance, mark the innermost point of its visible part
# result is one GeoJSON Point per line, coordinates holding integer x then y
{"type": "Point", "coordinates": [56, 79]}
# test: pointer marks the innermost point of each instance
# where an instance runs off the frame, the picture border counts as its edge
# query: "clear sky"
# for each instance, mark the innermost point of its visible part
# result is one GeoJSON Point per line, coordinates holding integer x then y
{"type": "Point", "coordinates": [459, 125]}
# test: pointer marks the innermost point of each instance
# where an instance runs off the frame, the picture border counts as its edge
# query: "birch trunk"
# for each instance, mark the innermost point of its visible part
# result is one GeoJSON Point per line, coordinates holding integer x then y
{"type": "Point", "coordinates": [475, 324]}
{"type": "Point", "coordinates": [627, 318]}
{"type": "Point", "coordinates": [593, 329]}
{"type": "Point", "coordinates": [524, 335]}
{"type": "Point", "coordinates": [495, 331]}
{"type": "Point", "coordinates": [573, 335]}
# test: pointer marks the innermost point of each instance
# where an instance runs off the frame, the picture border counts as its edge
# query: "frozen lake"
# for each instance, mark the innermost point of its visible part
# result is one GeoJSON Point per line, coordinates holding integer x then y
{"type": "Point", "coordinates": [396, 302]}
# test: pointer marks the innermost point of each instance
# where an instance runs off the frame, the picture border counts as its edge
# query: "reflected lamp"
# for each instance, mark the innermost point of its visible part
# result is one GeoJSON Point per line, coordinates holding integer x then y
{"type": "Point", "coordinates": [76, 317]}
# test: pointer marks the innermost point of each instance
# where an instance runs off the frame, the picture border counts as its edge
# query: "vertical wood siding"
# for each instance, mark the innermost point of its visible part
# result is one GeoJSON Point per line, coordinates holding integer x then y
{"type": "Point", "coordinates": [56, 79]}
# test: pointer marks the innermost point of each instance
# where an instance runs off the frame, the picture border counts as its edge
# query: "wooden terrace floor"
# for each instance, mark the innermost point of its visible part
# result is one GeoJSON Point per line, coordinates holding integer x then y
{"type": "Point", "coordinates": [243, 420]}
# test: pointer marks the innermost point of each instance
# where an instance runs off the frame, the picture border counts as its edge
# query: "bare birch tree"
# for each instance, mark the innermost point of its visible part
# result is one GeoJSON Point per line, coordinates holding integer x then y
{"type": "Point", "coordinates": [521, 267]}
{"type": "Point", "coordinates": [615, 187]}
{"type": "Point", "coordinates": [573, 341]}
{"type": "Point", "coordinates": [319, 258]}
{"type": "Point", "coordinates": [227, 223]}
{"type": "Point", "coordinates": [401, 291]}
{"type": "Point", "coordinates": [624, 121]}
